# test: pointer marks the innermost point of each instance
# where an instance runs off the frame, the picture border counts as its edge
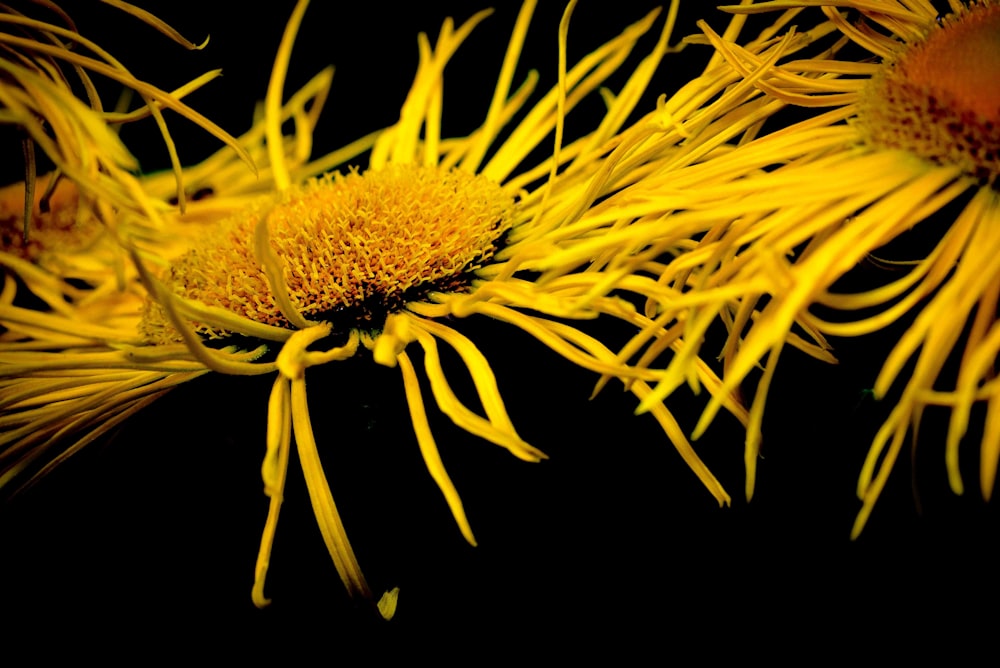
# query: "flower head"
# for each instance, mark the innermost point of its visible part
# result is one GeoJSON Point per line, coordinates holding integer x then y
{"type": "Point", "coordinates": [300, 268]}
{"type": "Point", "coordinates": [64, 225]}
{"type": "Point", "coordinates": [892, 141]}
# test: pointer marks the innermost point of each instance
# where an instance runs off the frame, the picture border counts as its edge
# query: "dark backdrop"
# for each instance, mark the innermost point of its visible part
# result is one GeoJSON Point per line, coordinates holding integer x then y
{"type": "Point", "coordinates": [152, 533]}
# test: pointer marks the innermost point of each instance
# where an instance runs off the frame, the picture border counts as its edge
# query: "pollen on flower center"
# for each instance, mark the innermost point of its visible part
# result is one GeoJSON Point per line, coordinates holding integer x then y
{"type": "Point", "coordinates": [353, 247]}
{"type": "Point", "coordinates": [939, 98]}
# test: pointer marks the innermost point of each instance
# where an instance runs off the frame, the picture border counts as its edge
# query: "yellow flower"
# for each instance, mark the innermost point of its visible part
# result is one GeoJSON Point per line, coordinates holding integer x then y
{"type": "Point", "coordinates": [894, 141]}
{"type": "Point", "coordinates": [59, 233]}
{"type": "Point", "coordinates": [297, 270]}
{"type": "Point", "coordinates": [63, 225]}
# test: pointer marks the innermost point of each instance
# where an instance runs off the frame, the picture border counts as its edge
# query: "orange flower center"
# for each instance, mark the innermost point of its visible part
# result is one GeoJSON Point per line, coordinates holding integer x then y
{"type": "Point", "coordinates": [940, 98]}
{"type": "Point", "coordinates": [59, 225]}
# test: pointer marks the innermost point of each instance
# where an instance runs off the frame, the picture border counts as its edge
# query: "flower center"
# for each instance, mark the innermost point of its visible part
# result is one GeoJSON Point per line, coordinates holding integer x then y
{"type": "Point", "coordinates": [940, 98]}
{"type": "Point", "coordinates": [353, 247]}
{"type": "Point", "coordinates": [59, 225]}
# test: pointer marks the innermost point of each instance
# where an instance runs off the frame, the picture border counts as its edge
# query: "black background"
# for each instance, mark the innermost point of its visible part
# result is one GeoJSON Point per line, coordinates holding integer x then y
{"type": "Point", "coordinates": [152, 534]}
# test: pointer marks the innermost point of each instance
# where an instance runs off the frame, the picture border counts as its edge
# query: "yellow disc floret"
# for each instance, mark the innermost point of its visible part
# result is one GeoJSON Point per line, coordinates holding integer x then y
{"type": "Point", "coordinates": [940, 98]}
{"type": "Point", "coordinates": [353, 247]}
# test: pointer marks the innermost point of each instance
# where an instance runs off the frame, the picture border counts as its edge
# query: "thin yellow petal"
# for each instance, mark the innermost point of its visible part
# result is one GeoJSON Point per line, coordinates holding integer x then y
{"type": "Point", "coordinates": [273, 471]}
{"type": "Point", "coordinates": [428, 448]}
